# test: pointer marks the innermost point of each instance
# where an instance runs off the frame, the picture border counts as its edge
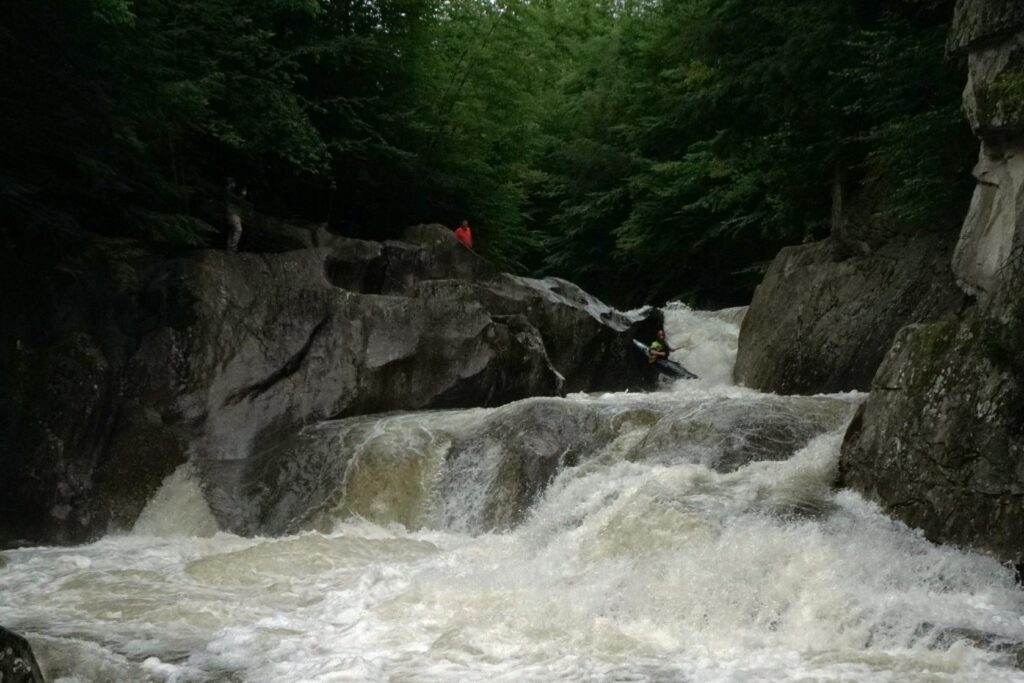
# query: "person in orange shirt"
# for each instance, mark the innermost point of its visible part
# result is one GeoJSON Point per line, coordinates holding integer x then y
{"type": "Point", "coordinates": [464, 233]}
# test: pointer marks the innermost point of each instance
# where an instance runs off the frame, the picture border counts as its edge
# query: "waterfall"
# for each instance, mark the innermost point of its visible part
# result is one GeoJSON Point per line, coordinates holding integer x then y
{"type": "Point", "coordinates": [690, 534]}
{"type": "Point", "coordinates": [177, 509]}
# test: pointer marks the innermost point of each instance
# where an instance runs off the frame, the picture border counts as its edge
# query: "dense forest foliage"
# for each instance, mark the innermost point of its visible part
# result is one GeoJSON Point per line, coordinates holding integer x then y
{"type": "Point", "coordinates": [648, 149]}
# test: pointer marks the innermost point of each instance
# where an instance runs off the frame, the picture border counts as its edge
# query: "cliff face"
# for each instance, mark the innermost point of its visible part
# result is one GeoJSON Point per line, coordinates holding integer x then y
{"type": "Point", "coordinates": [216, 356]}
{"type": "Point", "coordinates": [932, 323]}
{"type": "Point", "coordinates": [940, 441]}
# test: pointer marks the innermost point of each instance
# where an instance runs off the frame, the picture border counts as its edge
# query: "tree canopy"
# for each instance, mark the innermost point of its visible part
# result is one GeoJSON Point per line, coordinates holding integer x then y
{"type": "Point", "coordinates": [649, 149]}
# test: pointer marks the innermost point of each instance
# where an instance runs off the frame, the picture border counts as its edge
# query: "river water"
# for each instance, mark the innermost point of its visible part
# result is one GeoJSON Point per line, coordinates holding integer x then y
{"type": "Point", "coordinates": [689, 534]}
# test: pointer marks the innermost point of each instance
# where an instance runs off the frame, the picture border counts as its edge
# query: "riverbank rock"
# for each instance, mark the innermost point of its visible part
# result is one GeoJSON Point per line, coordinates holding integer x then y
{"type": "Point", "coordinates": [17, 663]}
{"type": "Point", "coordinates": [215, 356]}
{"type": "Point", "coordinates": [821, 321]}
{"type": "Point", "coordinates": [940, 441]}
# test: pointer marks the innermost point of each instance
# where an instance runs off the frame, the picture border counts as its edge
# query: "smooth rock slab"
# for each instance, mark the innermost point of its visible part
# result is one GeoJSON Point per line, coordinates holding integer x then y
{"type": "Point", "coordinates": [217, 357]}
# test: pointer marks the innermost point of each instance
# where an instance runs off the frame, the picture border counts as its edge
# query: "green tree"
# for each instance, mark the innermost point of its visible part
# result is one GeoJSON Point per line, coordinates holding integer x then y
{"type": "Point", "coordinates": [647, 148]}
{"type": "Point", "coordinates": [727, 120]}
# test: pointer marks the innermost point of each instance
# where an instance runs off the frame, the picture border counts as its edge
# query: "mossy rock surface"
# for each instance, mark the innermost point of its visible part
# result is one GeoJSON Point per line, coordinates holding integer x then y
{"type": "Point", "coordinates": [977, 23]}
{"type": "Point", "coordinates": [940, 441]}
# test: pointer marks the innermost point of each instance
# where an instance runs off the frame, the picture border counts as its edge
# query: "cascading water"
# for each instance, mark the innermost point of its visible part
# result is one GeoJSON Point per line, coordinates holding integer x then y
{"type": "Point", "coordinates": [685, 535]}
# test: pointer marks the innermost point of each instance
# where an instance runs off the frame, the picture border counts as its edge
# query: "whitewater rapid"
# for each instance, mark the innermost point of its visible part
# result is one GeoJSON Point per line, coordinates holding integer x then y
{"type": "Point", "coordinates": [690, 534]}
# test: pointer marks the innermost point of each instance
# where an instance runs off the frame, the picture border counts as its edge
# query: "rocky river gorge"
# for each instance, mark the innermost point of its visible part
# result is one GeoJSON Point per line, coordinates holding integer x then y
{"type": "Point", "coordinates": [690, 533]}
{"type": "Point", "coordinates": [331, 459]}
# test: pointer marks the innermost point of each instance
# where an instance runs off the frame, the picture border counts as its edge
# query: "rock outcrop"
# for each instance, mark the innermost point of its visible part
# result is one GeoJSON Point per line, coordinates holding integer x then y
{"type": "Point", "coordinates": [216, 356]}
{"type": "Point", "coordinates": [940, 441]}
{"type": "Point", "coordinates": [17, 663]}
{"type": "Point", "coordinates": [821, 321]}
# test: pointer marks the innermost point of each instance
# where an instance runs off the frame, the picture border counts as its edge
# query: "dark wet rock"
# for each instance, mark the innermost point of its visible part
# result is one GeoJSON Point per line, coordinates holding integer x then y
{"type": "Point", "coordinates": [820, 322]}
{"type": "Point", "coordinates": [76, 448]}
{"type": "Point", "coordinates": [940, 441]}
{"type": "Point", "coordinates": [583, 337]}
{"type": "Point", "coordinates": [216, 356]}
{"type": "Point", "coordinates": [826, 313]}
{"type": "Point", "coordinates": [17, 663]}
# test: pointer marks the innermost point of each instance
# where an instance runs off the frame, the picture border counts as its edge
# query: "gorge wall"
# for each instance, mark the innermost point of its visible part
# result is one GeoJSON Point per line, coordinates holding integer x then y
{"type": "Point", "coordinates": [940, 441]}
{"type": "Point", "coordinates": [932, 323]}
{"type": "Point", "coordinates": [110, 384]}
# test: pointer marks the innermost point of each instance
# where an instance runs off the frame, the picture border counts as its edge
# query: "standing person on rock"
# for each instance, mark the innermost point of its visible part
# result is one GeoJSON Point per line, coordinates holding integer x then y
{"type": "Point", "coordinates": [464, 233]}
{"type": "Point", "coordinates": [233, 213]}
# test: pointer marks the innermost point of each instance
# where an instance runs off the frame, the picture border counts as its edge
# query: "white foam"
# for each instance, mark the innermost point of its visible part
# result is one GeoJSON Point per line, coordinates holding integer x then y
{"type": "Point", "coordinates": [623, 571]}
{"type": "Point", "coordinates": [641, 563]}
{"type": "Point", "coordinates": [177, 509]}
{"type": "Point", "coordinates": [704, 342]}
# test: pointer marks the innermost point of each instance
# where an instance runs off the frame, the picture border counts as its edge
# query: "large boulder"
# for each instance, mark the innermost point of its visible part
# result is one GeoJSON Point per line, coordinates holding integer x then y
{"type": "Point", "coordinates": [215, 356]}
{"type": "Point", "coordinates": [822, 322]}
{"type": "Point", "coordinates": [940, 441]}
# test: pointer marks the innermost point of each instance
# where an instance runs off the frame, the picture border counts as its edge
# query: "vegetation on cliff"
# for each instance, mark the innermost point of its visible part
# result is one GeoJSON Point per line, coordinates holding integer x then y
{"type": "Point", "coordinates": [646, 148]}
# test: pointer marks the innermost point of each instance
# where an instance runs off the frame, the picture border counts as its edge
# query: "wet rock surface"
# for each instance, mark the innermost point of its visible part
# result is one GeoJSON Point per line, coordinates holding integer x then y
{"type": "Point", "coordinates": [940, 442]}
{"type": "Point", "coordinates": [217, 356]}
{"type": "Point", "coordinates": [416, 469]}
{"type": "Point", "coordinates": [944, 638]}
{"type": "Point", "coordinates": [821, 322]}
{"type": "Point", "coordinates": [17, 663]}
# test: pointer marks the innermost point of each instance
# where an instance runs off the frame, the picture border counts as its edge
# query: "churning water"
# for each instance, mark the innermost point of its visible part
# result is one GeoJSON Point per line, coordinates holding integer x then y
{"type": "Point", "coordinates": [690, 534]}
